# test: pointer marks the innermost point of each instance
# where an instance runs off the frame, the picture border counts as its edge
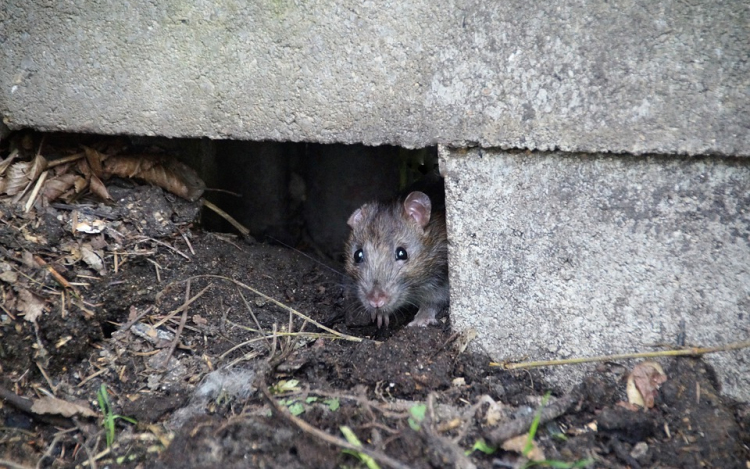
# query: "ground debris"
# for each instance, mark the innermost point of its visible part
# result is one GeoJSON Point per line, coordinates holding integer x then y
{"type": "Point", "coordinates": [179, 325]}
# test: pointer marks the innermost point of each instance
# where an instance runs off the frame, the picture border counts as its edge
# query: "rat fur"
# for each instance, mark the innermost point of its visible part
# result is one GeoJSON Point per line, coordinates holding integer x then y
{"type": "Point", "coordinates": [397, 255]}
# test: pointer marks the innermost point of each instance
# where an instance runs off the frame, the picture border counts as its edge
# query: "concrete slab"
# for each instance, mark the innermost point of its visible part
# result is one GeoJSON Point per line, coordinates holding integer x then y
{"type": "Point", "coordinates": [635, 76]}
{"type": "Point", "coordinates": [556, 256]}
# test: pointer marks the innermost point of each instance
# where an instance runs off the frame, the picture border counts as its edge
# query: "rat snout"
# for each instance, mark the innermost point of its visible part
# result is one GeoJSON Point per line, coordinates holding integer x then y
{"type": "Point", "coordinates": [377, 297]}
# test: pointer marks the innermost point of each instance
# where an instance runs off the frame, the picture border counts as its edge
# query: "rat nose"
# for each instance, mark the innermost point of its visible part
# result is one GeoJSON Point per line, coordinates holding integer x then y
{"type": "Point", "coordinates": [377, 298]}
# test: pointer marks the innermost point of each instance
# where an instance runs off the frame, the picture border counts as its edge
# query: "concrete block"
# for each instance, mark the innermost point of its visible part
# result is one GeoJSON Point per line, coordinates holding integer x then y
{"type": "Point", "coordinates": [633, 76]}
{"type": "Point", "coordinates": [558, 255]}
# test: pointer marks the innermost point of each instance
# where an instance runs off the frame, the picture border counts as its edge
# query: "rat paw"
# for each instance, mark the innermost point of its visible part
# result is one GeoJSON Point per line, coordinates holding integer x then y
{"type": "Point", "coordinates": [422, 322]}
{"type": "Point", "coordinates": [424, 318]}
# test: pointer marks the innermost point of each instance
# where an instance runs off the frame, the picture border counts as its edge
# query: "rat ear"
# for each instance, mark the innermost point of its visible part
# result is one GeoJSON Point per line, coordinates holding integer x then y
{"type": "Point", "coordinates": [418, 206]}
{"type": "Point", "coordinates": [356, 217]}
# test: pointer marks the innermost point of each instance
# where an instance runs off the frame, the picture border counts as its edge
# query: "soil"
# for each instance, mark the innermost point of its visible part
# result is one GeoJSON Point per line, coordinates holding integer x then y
{"type": "Point", "coordinates": [207, 341]}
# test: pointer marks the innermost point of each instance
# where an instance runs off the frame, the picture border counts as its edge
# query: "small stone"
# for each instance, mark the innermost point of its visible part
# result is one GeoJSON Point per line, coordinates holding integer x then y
{"type": "Point", "coordinates": [639, 451]}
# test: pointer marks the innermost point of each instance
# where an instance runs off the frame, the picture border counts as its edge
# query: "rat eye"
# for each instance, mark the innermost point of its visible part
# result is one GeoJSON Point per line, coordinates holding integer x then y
{"type": "Point", "coordinates": [359, 256]}
{"type": "Point", "coordinates": [401, 254]}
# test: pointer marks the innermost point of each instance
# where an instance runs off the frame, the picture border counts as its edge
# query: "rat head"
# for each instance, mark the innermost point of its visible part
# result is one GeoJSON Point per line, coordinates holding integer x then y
{"type": "Point", "coordinates": [385, 253]}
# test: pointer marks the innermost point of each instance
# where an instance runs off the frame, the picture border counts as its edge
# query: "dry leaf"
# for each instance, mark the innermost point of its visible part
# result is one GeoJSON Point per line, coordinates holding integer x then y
{"type": "Point", "coordinates": [84, 168]}
{"type": "Point", "coordinates": [5, 164]}
{"type": "Point", "coordinates": [518, 443]}
{"type": "Point", "coordinates": [53, 405]}
{"type": "Point", "coordinates": [80, 184]}
{"type": "Point", "coordinates": [16, 179]}
{"type": "Point", "coordinates": [199, 320]}
{"type": "Point", "coordinates": [23, 173]}
{"type": "Point", "coordinates": [97, 187]}
{"type": "Point", "coordinates": [57, 186]}
{"type": "Point", "coordinates": [164, 172]}
{"type": "Point", "coordinates": [643, 383]}
{"type": "Point", "coordinates": [90, 227]}
{"type": "Point", "coordinates": [92, 259]}
{"type": "Point", "coordinates": [465, 338]}
{"type": "Point", "coordinates": [9, 276]}
{"type": "Point", "coordinates": [94, 158]}
{"type": "Point", "coordinates": [28, 260]}
{"type": "Point", "coordinates": [31, 305]}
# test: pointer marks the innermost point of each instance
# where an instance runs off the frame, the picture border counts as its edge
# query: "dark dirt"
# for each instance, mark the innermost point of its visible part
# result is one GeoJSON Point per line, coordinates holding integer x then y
{"type": "Point", "coordinates": [207, 408]}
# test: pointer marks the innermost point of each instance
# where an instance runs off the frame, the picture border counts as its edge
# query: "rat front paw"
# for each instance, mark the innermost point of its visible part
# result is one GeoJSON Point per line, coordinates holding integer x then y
{"type": "Point", "coordinates": [423, 318]}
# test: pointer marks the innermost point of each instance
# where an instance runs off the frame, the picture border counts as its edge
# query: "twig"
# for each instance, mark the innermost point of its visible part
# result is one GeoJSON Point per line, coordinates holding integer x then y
{"type": "Point", "coordinates": [64, 160]}
{"type": "Point", "coordinates": [255, 319]}
{"type": "Point", "coordinates": [12, 465]}
{"type": "Point", "coordinates": [56, 275]}
{"type": "Point", "coordinates": [146, 238]}
{"type": "Point", "coordinates": [283, 306]}
{"type": "Point", "coordinates": [521, 425]}
{"type": "Point", "coordinates": [178, 334]}
{"type": "Point", "coordinates": [51, 447]}
{"type": "Point", "coordinates": [136, 319]}
{"type": "Point", "coordinates": [35, 191]}
{"type": "Point", "coordinates": [317, 433]}
{"type": "Point", "coordinates": [187, 241]}
{"type": "Point", "coordinates": [606, 358]}
{"type": "Point", "coordinates": [448, 451]}
{"type": "Point", "coordinates": [25, 404]}
{"type": "Point", "coordinates": [181, 308]}
{"type": "Point", "coordinates": [92, 459]}
{"type": "Point", "coordinates": [244, 231]}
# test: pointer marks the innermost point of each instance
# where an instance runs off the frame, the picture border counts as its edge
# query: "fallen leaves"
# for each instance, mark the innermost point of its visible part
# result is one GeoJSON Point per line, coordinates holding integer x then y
{"type": "Point", "coordinates": [31, 305]}
{"type": "Point", "coordinates": [68, 177]}
{"type": "Point", "coordinates": [643, 383]}
{"type": "Point", "coordinates": [55, 406]}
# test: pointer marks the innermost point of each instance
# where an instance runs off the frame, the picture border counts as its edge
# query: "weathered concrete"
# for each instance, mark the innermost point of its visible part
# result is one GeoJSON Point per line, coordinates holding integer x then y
{"type": "Point", "coordinates": [566, 256]}
{"type": "Point", "coordinates": [634, 76]}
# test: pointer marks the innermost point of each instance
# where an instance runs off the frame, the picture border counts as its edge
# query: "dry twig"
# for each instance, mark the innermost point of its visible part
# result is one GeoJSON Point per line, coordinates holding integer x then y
{"type": "Point", "coordinates": [607, 358]}
{"type": "Point", "coordinates": [183, 320]}
{"type": "Point", "coordinates": [521, 425]}
{"type": "Point", "coordinates": [320, 434]}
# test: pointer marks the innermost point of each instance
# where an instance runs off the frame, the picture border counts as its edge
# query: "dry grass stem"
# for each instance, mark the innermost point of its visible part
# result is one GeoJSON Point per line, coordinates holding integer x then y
{"type": "Point", "coordinates": [606, 358]}
{"type": "Point", "coordinates": [244, 231]}
{"type": "Point", "coordinates": [285, 307]}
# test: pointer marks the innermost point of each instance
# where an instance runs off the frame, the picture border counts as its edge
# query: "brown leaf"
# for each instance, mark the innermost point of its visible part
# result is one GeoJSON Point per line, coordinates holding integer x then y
{"type": "Point", "coordinates": [518, 443]}
{"type": "Point", "coordinates": [165, 172]}
{"type": "Point", "coordinates": [97, 187]}
{"type": "Point", "coordinates": [39, 165]}
{"type": "Point", "coordinates": [94, 159]}
{"type": "Point", "coordinates": [31, 305]}
{"type": "Point", "coordinates": [5, 164]}
{"type": "Point", "coordinates": [9, 276]}
{"type": "Point", "coordinates": [92, 259]}
{"type": "Point", "coordinates": [80, 184]}
{"type": "Point", "coordinates": [22, 173]}
{"type": "Point", "coordinates": [16, 179]}
{"type": "Point", "coordinates": [53, 405]}
{"type": "Point", "coordinates": [646, 378]}
{"type": "Point", "coordinates": [57, 186]}
{"type": "Point", "coordinates": [83, 167]}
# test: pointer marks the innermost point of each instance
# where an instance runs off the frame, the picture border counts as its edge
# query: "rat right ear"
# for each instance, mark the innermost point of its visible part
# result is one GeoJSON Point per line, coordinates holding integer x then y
{"type": "Point", "coordinates": [418, 206]}
{"type": "Point", "coordinates": [356, 218]}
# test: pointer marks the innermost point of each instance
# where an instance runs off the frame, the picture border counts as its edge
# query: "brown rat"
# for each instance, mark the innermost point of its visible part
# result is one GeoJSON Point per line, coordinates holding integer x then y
{"type": "Point", "coordinates": [397, 255]}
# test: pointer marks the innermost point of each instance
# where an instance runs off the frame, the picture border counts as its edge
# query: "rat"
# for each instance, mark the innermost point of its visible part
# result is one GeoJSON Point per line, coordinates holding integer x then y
{"type": "Point", "coordinates": [397, 256]}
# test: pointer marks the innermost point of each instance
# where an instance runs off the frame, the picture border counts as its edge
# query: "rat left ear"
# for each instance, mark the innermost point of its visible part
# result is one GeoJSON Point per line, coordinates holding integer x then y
{"type": "Point", "coordinates": [418, 206]}
{"type": "Point", "coordinates": [356, 217]}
